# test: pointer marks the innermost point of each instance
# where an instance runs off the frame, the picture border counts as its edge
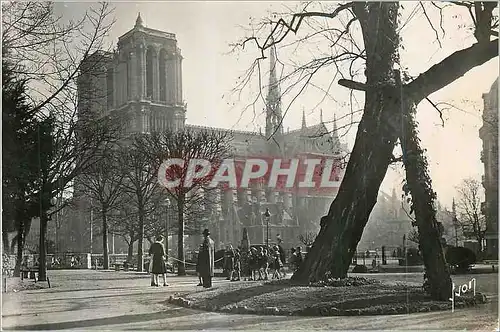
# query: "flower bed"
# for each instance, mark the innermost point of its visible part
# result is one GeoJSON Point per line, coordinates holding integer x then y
{"type": "Point", "coordinates": [350, 296]}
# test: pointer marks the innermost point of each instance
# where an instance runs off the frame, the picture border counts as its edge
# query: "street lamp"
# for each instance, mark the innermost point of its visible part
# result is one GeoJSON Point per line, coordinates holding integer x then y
{"type": "Point", "coordinates": [267, 215]}
{"type": "Point", "coordinates": [167, 205]}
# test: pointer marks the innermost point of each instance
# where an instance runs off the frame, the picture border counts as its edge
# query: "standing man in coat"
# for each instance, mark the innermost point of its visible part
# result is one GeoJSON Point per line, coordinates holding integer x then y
{"type": "Point", "coordinates": [282, 254]}
{"type": "Point", "coordinates": [207, 254]}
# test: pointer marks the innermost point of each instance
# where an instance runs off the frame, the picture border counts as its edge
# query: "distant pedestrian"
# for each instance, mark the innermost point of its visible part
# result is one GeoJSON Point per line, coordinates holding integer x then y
{"type": "Point", "coordinates": [207, 260]}
{"type": "Point", "coordinates": [198, 264]}
{"type": "Point", "coordinates": [228, 261]}
{"type": "Point", "coordinates": [236, 273]}
{"type": "Point", "coordinates": [299, 257]}
{"type": "Point", "coordinates": [263, 263]}
{"type": "Point", "coordinates": [253, 263]}
{"type": "Point", "coordinates": [292, 262]}
{"type": "Point", "coordinates": [282, 254]}
{"type": "Point", "coordinates": [157, 262]}
{"type": "Point", "coordinates": [277, 264]}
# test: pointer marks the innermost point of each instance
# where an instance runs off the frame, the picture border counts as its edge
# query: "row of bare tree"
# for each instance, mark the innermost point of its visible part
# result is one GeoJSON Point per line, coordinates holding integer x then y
{"type": "Point", "coordinates": [71, 152]}
{"type": "Point", "coordinates": [124, 187]}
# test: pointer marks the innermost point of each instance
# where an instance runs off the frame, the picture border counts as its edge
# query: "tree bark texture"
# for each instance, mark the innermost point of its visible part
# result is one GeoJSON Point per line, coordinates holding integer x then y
{"type": "Point", "coordinates": [42, 259]}
{"type": "Point", "coordinates": [180, 237]}
{"type": "Point", "coordinates": [419, 184]}
{"type": "Point", "coordinates": [19, 253]}
{"type": "Point", "coordinates": [140, 254]}
{"type": "Point", "coordinates": [105, 245]}
{"type": "Point", "coordinates": [377, 133]}
{"type": "Point", "coordinates": [5, 241]}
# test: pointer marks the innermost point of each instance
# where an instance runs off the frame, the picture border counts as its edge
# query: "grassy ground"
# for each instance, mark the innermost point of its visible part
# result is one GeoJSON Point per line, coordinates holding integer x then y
{"type": "Point", "coordinates": [17, 285]}
{"type": "Point", "coordinates": [285, 298]}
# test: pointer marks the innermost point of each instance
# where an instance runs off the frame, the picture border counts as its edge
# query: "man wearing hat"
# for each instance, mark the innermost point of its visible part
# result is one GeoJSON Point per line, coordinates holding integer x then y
{"type": "Point", "coordinates": [206, 262]}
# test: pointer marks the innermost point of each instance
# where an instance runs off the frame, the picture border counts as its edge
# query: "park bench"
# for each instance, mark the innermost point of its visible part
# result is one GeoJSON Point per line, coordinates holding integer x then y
{"type": "Point", "coordinates": [31, 271]}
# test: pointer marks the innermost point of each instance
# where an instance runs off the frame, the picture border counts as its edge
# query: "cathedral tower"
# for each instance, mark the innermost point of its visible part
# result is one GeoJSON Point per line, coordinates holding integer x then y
{"type": "Point", "coordinates": [148, 80]}
{"type": "Point", "coordinates": [142, 78]}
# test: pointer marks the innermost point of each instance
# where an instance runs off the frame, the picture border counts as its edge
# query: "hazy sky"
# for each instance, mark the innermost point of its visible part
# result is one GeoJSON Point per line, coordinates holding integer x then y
{"type": "Point", "coordinates": [205, 29]}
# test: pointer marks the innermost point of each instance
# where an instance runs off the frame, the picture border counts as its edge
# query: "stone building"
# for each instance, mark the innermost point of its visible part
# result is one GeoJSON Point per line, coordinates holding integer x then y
{"type": "Point", "coordinates": [141, 82]}
{"type": "Point", "coordinates": [489, 156]}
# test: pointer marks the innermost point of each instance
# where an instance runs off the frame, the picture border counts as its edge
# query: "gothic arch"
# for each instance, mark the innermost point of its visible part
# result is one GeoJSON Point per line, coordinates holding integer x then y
{"type": "Point", "coordinates": [162, 62]}
{"type": "Point", "coordinates": [128, 71]}
{"type": "Point", "coordinates": [149, 72]}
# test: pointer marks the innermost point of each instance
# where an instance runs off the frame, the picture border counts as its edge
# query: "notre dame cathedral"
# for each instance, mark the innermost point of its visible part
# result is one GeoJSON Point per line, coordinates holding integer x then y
{"type": "Point", "coordinates": [142, 81]}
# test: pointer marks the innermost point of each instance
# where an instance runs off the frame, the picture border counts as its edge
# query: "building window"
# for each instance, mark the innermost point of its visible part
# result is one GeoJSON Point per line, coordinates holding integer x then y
{"type": "Point", "coordinates": [128, 71]}
{"type": "Point", "coordinates": [149, 73]}
{"type": "Point", "coordinates": [163, 75]}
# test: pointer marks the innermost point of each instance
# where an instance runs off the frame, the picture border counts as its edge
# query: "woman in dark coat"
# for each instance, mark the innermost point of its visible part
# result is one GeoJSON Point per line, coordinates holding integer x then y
{"type": "Point", "coordinates": [157, 263]}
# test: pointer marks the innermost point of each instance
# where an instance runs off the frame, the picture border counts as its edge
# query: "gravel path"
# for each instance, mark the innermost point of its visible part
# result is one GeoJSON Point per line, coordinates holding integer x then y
{"type": "Point", "coordinates": [101, 300]}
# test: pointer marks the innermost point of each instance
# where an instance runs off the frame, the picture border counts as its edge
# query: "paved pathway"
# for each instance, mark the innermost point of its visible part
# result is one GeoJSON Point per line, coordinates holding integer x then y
{"type": "Point", "coordinates": [101, 300]}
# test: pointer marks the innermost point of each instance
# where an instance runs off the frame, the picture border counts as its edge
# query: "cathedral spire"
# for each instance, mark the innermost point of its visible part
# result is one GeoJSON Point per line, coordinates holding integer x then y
{"type": "Point", "coordinates": [138, 21]}
{"type": "Point", "coordinates": [274, 123]}
{"type": "Point", "coordinates": [454, 208]}
{"type": "Point", "coordinates": [320, 115]}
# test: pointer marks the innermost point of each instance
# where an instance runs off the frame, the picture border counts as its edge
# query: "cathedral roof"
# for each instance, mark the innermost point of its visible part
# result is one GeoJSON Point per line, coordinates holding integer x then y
{"type": "Point", "coordinates": [314, 131]}
{"type": "Point", "coordinates": [240, 132]}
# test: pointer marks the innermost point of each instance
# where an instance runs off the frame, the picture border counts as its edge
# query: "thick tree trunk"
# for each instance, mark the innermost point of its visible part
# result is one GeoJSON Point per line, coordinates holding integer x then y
{"type": "Point", "coordinates": [180, 237]}
{"type": "Point", "coordinates": [130, 251]}
{"type": "Point", "coordinates": [42, 259]}
{"type": "Point", "coordinates": [342, 229]}
{"type": "Point", "coordinates": [423, 198]}
{"type": "Point", "coordinates": [105, 247]}
{"type": "Point", "coordinates": [19, 253]}
{"type": "Point", "coordinates": [5, 241]}
{"type": "Point", "coordinates": [140, 254]}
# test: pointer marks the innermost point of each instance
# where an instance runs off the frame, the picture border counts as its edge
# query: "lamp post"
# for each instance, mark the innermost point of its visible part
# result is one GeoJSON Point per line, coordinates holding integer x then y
{"type": "Point", "coordinates": [267, 215]}
{"type": "Point", "coordinates": [167, 207]}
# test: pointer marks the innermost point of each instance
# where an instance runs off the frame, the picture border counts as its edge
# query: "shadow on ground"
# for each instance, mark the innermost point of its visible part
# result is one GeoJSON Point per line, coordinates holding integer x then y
{"type": "Point", "coordinates": [123, 319]}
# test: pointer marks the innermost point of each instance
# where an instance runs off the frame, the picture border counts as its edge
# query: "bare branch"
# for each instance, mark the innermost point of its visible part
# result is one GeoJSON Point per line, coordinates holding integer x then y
{"type": "Point", "coordinates": [440, 75]}
{"type": "Point", "coordinates": [439, 111]}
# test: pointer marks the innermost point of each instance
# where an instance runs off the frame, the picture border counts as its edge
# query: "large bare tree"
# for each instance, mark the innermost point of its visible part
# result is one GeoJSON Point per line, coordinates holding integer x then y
{"type": "Point", "coordinates": [391, 97]}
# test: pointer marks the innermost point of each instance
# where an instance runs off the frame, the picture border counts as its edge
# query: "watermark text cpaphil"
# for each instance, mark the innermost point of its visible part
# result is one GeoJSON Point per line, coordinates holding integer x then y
{"type": "Point", "coordinates": [280, 174]}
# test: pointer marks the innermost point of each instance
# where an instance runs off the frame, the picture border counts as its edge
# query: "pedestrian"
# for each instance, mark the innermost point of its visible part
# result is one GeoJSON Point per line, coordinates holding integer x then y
{"type": "Point", "coordinates": [277, 263]}
{"type": "Point", "coordinates": [235, 275]}
{"type": "Point", "coordinates": [207, 260]}
{"type": "Point", "coordinates": [282, 254]}
{"type": "Point", "coordinates": [228, 261]}
{"type": "Point", "coordinates": [299, 257]}
{"type": "Point", "coordinates": [198, 264]}
{"type": "Point", "coordinates": [263, 263]}
{"type": "Point", "coordinates": [292, 262]}
{"type": "Point", "coordinates": [157, 262]}
{"type": "Point", "coordinates": [253, 263]}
